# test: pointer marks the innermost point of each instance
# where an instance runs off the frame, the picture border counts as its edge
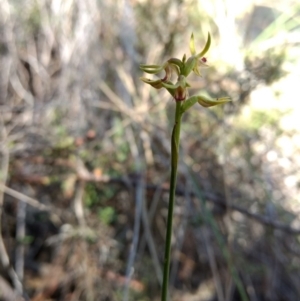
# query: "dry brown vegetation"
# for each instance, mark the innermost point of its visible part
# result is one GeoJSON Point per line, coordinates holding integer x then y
{"type": "Point", "coordinates": [84, 150]}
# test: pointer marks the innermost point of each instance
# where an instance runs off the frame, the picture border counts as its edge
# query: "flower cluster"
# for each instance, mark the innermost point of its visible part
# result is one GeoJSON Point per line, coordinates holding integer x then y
{"type": "Point", "coordinates": [182, 68]}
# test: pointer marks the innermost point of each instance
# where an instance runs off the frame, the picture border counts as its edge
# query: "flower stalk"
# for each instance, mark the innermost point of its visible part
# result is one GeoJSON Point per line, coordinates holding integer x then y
{"type": "Point", "coordinates": [174, 164]}
{"type": "Point", "coordinates": [179, 91]}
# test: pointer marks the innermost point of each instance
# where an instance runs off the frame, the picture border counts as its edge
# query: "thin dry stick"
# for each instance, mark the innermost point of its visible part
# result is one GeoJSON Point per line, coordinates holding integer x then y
{"type": "Point", "coordinates": [7, 292]}
{"type": "Point", "coordinates": [137, 114]}
{"type": "Point", "coordinates": [153, 207]}
{"type": "Point", "coordinates": [147, 147]}
{"type": "Point", "coordinates": [181, 234]}
{"type": "Point", "coordinates": [20, 235]}
{"type": "Point", "coordinates": [117, 101]}
{"type": "Point", "coordinates": [78, 203]}
{"type": "Point", "coordinates": [139, 199]}
{"type": "Point", "coordinates": [213, 264]}
{"type": "Point", "coordinates": [3, 252]}
{"type": "Point", "coordinates": [151, 244]}
{"type": "Point", "coordinates": [24, 198]}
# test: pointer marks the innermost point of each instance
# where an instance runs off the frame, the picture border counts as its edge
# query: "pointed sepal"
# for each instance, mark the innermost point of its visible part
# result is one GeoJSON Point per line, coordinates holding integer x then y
{"type": "Point", "coordinates": [157, 84]}
{"type": "Point", "coordinates": [206, 47]}
{"type": "Point", "coordinates": [209, 102]}
{"type": "Point", "coordinates": [151, 69]}
{"type": "Point", "coordinates": [192, 45]}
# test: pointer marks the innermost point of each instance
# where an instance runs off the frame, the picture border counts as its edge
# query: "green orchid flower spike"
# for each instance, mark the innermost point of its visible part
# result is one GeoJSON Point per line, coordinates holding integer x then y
{"type": "Point", "coordinates": [179, 91]}
{"type": "Point", "coordinates": [182, 69]}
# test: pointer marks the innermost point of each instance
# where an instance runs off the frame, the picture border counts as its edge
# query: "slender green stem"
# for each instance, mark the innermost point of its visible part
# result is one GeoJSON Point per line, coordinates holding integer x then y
{"type": "Point", "coordinates": [174, 164]}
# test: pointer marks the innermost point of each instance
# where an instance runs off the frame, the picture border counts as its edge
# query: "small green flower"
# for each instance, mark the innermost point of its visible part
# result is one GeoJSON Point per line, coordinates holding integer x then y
{"type": "Point", "coordinates": [182, 68]}
{"type": "Point", "coordinates": [196, 61]}
{"type": "Point", "coordinates": [179, 90]}
{"type": "Point", "coordinates": [201, 60]}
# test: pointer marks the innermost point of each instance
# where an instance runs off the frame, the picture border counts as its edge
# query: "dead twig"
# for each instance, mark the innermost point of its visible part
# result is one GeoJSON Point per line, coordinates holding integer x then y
{"type": "Point", "coordinates": [139, 199]}
{"type": "Point", "coordinates": [4, 258]}
{"type": "Point", "coordinates": [24, 198]}
{"type": "Point", "coordinates": [20, 235]}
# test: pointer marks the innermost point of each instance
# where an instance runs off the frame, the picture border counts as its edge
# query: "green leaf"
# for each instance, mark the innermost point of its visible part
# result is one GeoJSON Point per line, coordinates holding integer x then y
{"type": "Point", "coordinates": [107, 215]}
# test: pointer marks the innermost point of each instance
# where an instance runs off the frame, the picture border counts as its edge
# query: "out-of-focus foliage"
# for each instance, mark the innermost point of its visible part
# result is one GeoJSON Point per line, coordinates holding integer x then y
{"type": "Point", "coordinates": [80, 134]}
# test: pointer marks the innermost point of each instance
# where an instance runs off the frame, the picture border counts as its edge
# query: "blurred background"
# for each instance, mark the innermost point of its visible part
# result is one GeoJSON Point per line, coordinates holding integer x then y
{"type": "Point", "coordinates": [85, 151]}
